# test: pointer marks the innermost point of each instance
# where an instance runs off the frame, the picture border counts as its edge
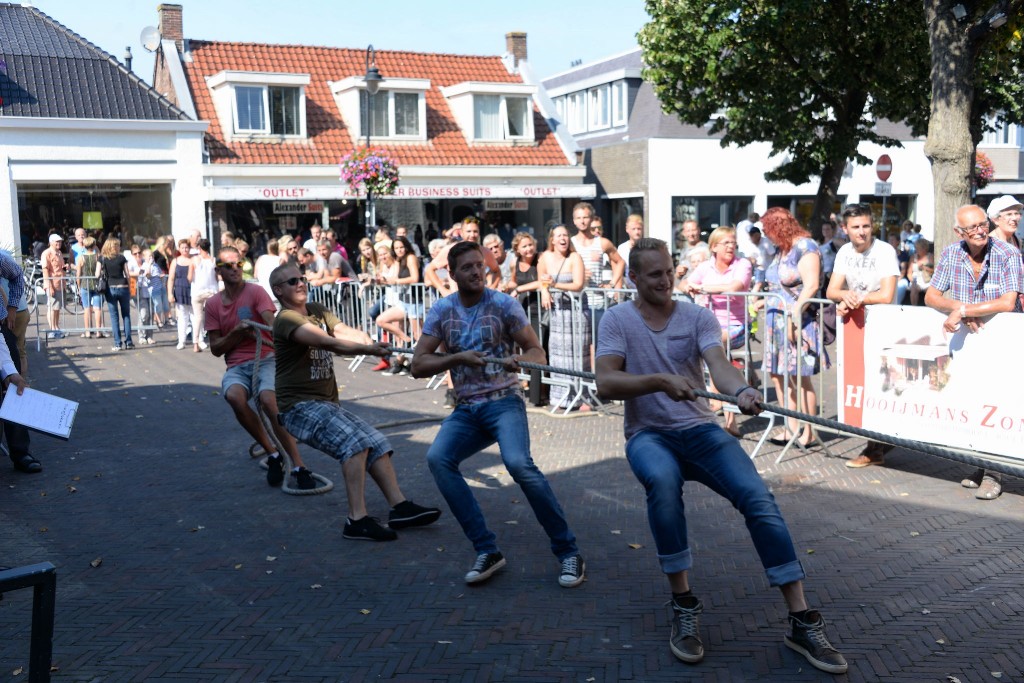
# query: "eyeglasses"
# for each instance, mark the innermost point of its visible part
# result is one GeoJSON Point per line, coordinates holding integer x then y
{"type": "Point", "coordinates": [136, 253]}
{"type": "Point", "coordinates": [229, 264]}
{"type": "Point", "coordinates": [977, 227]}
{"type": "Point", "coordinates": [291, 282]}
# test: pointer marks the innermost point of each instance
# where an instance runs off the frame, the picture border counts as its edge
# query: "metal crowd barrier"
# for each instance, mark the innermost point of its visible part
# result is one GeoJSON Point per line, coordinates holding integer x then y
{"type": "Point", "coordinates": [42, 577]}
{"type": "Point", "coordinates": [72, 313]}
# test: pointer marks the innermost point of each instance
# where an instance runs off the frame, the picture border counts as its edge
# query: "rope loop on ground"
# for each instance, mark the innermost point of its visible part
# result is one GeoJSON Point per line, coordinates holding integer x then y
{"type": "Point", "coordinates": [255, 450]}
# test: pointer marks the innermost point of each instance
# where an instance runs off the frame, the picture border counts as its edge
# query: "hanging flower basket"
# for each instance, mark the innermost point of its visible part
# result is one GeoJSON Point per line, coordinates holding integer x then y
{"type": "Point", "coordinates": [373, 170]}
{"type": "Point", "coordinates": [983, 169]}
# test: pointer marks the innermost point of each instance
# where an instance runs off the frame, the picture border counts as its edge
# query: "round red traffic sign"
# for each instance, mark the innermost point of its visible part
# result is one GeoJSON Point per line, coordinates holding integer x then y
{"type": "Point", "coordinates": [883, 167]}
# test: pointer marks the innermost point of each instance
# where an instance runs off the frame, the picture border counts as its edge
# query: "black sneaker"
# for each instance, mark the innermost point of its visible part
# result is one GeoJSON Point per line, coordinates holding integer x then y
{"type": "Point", "coordinates": [275, 471]}
{"type": "Point", "coordinates": [486, 564]}
{"type": "Point", "coordinates": [449, 398]}
{"type": "Point", "coordinates": [395, 369]}
{"type": "Point", "coordinates": [573, 572]}
{"type": "Point", "coordinates": [408, 513]}
{"type": "Point", "coordinates": [685, 639]}
{"type": "Point", "coordinates": [367, 529]}
{"type": "Point", "coordinates": [304, 480]}
{"type": "Point", "coordinates": [809, 639]}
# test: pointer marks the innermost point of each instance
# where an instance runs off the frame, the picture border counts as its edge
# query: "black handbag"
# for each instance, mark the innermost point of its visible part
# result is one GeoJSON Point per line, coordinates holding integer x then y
{"type": "Point", "coordinates": [102, 286]}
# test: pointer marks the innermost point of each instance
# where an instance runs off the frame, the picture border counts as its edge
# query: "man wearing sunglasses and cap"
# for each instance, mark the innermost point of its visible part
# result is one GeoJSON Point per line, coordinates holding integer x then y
{"type": "Point", "coordinates": [307, 336]}
{"type": "Point", "coordinates": [225, 316]}
{"type": "Point", "coordinates": [980, 276]}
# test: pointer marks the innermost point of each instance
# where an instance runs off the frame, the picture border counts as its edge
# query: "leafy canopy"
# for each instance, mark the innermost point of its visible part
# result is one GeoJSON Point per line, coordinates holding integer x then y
{"type": "Point", "coordinates": [808, 76]}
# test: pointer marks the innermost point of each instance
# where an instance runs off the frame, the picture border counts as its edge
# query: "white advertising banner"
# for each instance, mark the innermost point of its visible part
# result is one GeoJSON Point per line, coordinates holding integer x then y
{"type": "Point", "coordinates": [341, 191]}
{"type": "Point", "coordinates": [901, 374]}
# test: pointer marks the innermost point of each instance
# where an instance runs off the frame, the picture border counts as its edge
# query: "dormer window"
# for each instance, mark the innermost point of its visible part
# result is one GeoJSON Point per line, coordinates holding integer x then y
{"type": "Point", "coordinates": [273, 110]}
{"type": "Point", "coordinates": [260, 105]}
{"type": "Point", "coordinates": [502, 117]}
{"type": "Point", "coordinates": [493, 112]}
{"type": "Point", "coordinates": [395, 114]}
{"type": "Point", "coordinates": [398, 111]}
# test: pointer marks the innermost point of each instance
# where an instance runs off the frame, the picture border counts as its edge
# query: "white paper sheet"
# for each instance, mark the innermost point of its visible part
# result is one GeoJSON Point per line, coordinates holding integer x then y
{"type": "Point", "coordinates": [42, 412]}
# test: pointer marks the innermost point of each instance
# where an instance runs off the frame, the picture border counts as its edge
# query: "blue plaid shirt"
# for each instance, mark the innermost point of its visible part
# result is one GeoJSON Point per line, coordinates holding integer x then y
{"type": "Point", "coordinates": [1002, 271]}
{"type": "Point", "coordinates": [11, 271]}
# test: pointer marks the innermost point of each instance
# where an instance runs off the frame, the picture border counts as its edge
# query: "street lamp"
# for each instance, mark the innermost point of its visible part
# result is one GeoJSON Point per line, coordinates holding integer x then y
{"type": "Point", "coordinates": [372, 79]}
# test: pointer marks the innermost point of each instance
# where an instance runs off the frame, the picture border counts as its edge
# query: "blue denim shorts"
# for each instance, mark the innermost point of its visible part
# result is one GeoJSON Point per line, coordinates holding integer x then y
{"type": "Point", "coordinates": [91, 299]}
{"type": "Point", "coordinates": [242, 374]}
{"type": "Point", "coordinates": [330, 428]}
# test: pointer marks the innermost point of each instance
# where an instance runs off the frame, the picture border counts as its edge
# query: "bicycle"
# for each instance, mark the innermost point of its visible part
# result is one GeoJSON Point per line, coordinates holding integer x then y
{"type": "Point", "coordinates": [33, 282]}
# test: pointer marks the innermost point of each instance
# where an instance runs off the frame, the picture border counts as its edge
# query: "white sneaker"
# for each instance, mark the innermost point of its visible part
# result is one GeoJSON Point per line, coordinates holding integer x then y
{"type": "Point", "coordinates": [180, 346]}
{"type": "Point", "coordinates": [203, 346]}
{"type": "Point", "coordinates": [149, 340]}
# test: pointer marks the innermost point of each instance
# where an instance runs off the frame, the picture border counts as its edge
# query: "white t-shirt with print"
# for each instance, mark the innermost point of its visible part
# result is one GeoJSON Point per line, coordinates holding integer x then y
{"type": "Point", "coordinates": [864, 272]}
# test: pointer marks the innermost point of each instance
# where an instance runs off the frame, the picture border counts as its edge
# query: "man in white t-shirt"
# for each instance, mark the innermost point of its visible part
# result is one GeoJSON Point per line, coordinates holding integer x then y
{"type": "Point", "coordinates": [865, 272]}
{"type": "Point", "coordinates": [635, 230]}
{"type": "Point", "coordinates": [315, 235]}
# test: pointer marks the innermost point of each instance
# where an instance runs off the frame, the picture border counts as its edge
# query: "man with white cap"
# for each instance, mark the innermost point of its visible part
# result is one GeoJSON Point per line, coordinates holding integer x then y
{"type": "Point", "coordinates": [54, 268]}
{"type": "Point", "coordinates": [1004, 212]}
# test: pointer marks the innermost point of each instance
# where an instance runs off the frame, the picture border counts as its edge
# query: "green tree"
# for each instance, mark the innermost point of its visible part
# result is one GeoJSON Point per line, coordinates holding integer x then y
{"type": "Point", "coordinates": [977, 75]}
{"type": "Point", "coordinates": [808, 76]}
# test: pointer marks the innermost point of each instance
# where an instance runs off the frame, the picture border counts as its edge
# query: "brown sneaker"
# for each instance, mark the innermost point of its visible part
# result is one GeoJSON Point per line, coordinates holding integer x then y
{"type": "Point", "coordinates": [990, 488]}
{"type": "Point", "coordinates": [864, 460]}
{"type": "Point", "coordinates": [973, 481]}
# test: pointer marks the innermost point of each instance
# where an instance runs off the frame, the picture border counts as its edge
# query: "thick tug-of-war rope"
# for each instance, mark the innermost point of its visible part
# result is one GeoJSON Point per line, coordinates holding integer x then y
{"type": "Point", "coordinates": [324, 484]}
{"type": "Point", "coordinates": [966, 458]}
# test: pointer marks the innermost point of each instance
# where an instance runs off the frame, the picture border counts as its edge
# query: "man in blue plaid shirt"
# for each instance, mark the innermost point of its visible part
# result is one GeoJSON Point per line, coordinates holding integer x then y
{"type": "Point", "coordinates": [982, 276]}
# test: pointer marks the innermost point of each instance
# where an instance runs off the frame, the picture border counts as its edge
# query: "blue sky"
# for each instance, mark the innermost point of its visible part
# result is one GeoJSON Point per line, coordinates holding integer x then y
{"type": "Point", "coordinates": [558, 32]}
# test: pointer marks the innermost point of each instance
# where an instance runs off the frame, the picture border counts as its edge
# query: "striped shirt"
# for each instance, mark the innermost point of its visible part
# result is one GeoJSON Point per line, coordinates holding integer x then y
{"type": "Point", "coordinates": [1001, 272]}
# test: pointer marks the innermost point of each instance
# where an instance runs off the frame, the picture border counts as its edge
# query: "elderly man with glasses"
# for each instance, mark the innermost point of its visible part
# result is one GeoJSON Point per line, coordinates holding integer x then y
{"type": "Point", "coordinates": [981, 276]}
{"type": "Point", "coordinates": [226, 314]}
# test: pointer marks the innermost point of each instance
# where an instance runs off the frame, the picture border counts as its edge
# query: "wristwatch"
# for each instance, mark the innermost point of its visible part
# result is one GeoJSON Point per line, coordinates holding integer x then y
{"type": "Point", "coordinates": [963, 311]}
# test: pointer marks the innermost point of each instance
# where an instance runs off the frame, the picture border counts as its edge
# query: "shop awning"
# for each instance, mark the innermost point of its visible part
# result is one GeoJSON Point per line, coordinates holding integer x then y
{"type": "Point", "coordinates": [293, 193]}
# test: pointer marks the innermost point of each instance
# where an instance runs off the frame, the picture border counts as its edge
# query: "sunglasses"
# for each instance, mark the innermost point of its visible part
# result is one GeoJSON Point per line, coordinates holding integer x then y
{"type": "Point", "coordinates": [226, 264]}
{"type": "Point", "coordinates": [291, 282]}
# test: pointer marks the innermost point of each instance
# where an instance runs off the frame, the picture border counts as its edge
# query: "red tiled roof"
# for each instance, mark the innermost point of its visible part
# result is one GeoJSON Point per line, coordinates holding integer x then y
{"type": "Point", "coordinates": [328, 136]}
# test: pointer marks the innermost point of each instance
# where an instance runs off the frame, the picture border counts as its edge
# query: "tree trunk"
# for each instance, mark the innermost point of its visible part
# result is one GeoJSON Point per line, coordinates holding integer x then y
{"type": "Point", "coordinates": [825, 199]}
{"type": "Point", "coordinates": [949, 146]}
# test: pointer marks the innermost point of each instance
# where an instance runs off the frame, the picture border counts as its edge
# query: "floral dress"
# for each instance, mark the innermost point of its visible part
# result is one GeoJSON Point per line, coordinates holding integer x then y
{"type": "Point", "coordinates": [783, 278]}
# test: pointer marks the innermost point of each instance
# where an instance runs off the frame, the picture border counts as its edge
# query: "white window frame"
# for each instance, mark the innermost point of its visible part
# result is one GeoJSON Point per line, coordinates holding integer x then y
{"type": "Point", "coordinates": [266, 130]}
{"type": "Point", "coordinates": [347, 95]}
{"type": "Point", "coordinates": [599, 107]}
{"type": "Point", "coordinates": [388, 97]}
{"type": "Point", "coordinates": [576, 111]}
{"type": "Point", "coordinates": [528, 133]}
{"type": "Point", "coordinates": [223, 86]}
{"type": "Point", "coordinates": [463, 103]}
{"type": "Point", "coordinates": [620, 103]}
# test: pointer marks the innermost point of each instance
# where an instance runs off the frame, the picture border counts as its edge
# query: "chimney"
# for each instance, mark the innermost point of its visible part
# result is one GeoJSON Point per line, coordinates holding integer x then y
{"type": "Point", "coordinates": [170, 24]}
{"type": "Point", "coordinates": [515, 45]}
{"type": "Point", "coordinates": [127, 57]}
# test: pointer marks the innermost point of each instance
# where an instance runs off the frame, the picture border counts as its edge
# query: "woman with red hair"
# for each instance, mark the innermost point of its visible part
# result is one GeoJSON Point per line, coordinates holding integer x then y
{"type": "Point", "coordinates": [795, 275]}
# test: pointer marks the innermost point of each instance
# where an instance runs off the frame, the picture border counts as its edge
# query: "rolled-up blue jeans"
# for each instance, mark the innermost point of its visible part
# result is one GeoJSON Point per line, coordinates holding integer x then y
{"type": "Point", "coordinates": [469, 429]}
{"type": "Point", "coordinates": [118, 296]}
{"type": "Point", "coordinates": [665, 460]}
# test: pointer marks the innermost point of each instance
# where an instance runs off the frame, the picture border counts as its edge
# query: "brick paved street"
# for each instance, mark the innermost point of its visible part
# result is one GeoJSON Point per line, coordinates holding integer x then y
{"type": "Point", "coordinates": [208, 574]}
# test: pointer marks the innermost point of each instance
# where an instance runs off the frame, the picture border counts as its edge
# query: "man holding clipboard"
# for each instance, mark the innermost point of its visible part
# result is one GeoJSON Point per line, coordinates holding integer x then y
{"type": "Point", "coordinates": [18, 440]}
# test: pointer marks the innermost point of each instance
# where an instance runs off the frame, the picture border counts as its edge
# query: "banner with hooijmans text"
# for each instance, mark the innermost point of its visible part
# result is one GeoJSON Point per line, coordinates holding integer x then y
{"type": "Point", "coordinates": [900, 373]}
